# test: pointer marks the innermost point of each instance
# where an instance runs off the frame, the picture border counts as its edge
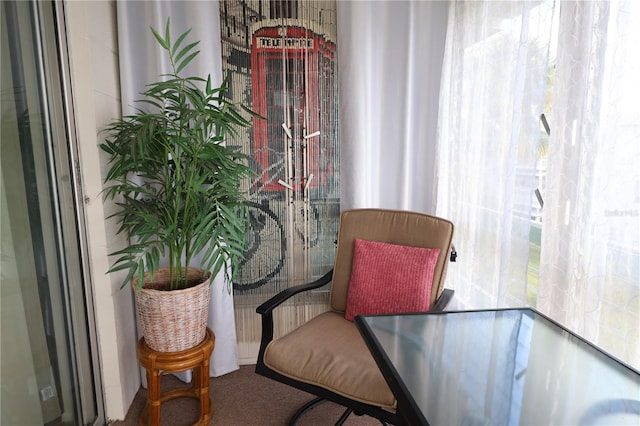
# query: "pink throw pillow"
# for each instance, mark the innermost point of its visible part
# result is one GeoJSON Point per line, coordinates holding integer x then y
{"type": "Point", "coordinates": [389, 278]}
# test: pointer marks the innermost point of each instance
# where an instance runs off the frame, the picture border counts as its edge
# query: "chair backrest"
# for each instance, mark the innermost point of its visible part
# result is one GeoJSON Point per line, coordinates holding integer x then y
{"type": "Point", "coordinates": [388, 226]}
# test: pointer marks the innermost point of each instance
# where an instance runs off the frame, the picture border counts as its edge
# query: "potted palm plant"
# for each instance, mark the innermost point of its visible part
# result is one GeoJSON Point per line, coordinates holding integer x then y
{"type": "Point", "coordinates": [178, 197]}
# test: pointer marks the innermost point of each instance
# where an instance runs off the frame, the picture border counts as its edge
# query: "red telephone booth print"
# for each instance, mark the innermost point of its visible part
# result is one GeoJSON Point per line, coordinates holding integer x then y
{"type": "Point", "coordinates": [292, 77]}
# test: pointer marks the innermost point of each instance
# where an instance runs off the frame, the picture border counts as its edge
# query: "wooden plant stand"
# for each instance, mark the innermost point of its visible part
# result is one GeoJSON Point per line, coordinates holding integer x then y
{"type": "Point", "coordinates": [158, 363]}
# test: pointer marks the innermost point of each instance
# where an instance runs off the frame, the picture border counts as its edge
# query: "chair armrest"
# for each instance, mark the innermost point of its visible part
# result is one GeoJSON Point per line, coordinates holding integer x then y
{"type": "Point", "coordinates": [287, 293]}
{"type": "Point", "coordinates": [443, 300]}
{"type": "Point", "coordinates": [266, 309]}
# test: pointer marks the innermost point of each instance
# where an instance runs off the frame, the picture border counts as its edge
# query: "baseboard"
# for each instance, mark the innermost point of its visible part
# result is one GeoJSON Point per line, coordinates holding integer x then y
{"type": "Point", "coordinates": [248, 352]}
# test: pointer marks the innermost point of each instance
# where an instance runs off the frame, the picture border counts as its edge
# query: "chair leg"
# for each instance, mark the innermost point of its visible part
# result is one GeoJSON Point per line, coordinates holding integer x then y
{"type": "Point", "coordinates": [306, 407]}
{"type": "Point", "coordinates": [344, 416]}
{"type": "Point", "coordinates": [317, 401]}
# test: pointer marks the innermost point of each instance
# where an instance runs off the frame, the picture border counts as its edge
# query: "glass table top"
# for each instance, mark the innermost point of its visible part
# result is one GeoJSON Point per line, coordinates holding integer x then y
{"type": "Point", "coordinates": [499, 367]}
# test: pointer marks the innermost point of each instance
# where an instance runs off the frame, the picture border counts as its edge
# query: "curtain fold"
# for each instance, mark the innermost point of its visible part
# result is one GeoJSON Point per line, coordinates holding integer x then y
{"type": "Point", "coordinates": [143, 61]}
{"type": "Point", "coordinates": [390, 56]}
{"type": "Point", "coordinates": [493, 88]}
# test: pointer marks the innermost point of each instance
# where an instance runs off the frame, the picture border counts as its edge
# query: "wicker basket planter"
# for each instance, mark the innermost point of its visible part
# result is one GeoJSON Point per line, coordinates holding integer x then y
{"type": "Point", "coordinates": [173, 320]}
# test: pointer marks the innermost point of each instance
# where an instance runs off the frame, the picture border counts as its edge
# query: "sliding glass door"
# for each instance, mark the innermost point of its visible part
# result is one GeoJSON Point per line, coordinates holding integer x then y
{"type": "Point", "coordinates": [45, 358]}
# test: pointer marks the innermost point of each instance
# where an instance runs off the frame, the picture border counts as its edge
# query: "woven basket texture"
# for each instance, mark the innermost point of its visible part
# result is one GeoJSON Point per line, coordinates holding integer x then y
{"type": "Point", "coordinates": [175, 320]}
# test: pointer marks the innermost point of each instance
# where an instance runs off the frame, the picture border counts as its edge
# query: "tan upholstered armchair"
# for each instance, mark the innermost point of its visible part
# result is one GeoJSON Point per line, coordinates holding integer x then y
{"type": "Point", "coordinates": [327, 356]}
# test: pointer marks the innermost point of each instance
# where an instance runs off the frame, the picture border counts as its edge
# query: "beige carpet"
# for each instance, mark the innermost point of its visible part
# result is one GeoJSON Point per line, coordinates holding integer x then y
{"type": "Point", "coordinates": [243, 398]}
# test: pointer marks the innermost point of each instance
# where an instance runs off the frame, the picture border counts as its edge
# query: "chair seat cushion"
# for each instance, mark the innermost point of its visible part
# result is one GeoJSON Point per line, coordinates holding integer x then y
{"type": "Point", "coordinates": [328, 351]}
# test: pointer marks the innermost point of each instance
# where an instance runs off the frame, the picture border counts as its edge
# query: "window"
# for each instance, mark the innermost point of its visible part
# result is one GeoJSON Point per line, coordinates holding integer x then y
{"type": "Point", "coordinates": [577, 258]}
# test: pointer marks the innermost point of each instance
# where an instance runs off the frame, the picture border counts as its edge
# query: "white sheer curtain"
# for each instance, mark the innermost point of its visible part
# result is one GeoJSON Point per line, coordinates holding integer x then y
{"type": "Point", "coordinates": [141, 62]}
{"type": "Point", "coordinates": [499, 58]}
{"type": "Point", "coordinates": [590, 258]}
{"type": "Point", "coordinates": [389, 56]}
{"type": "Point", "coordinates": [493, 86]}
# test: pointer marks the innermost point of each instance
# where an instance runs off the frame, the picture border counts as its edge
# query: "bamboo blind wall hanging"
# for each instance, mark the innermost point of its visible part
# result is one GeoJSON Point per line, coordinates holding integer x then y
{"type": "Point", "coordinates": [279, 56]}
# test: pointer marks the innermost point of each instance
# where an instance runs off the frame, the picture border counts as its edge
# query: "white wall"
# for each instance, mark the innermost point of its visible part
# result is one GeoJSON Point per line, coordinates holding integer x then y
{"type": "Point", "coordinates": [93, 54]}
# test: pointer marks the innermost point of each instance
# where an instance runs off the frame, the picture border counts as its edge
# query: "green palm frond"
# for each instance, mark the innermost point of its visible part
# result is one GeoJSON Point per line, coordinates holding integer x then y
{"type": "Point", "coordinates": [175, 184]}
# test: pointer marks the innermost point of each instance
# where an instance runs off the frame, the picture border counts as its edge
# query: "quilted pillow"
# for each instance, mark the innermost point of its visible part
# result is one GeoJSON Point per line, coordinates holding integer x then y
{"type": "Point", "coordinates": [389, 278]}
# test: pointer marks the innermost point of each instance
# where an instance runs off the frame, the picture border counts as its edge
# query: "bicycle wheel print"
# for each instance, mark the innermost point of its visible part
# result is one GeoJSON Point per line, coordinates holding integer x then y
{"type": "Point", "coordinates": [264, 256]}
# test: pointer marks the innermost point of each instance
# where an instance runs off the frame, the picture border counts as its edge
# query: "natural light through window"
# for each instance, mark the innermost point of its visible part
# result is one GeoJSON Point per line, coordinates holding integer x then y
{"type": "Point", "coordinates": [547, 209]}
